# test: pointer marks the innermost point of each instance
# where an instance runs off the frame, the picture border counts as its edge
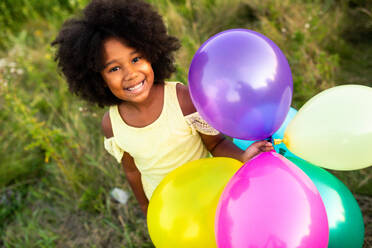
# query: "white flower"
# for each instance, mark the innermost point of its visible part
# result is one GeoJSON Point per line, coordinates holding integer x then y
{"type": "Point", "coordinates": [3, 84]}
{"type": "Point", "coordinates": [284, 30]}
{"type": "Point", "coordinates": [120, 195]}
{"type": "Point", "coordinates": [3, 63]}
{"type": "Point", "coordinates": [19, 71]}
{"type": "Point", "coordinates": [307, 25]}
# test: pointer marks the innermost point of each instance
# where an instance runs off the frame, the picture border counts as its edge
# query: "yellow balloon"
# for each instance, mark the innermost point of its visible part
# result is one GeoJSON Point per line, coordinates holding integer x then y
{"type": "Point", "coordinates": [182, 209]}
{"type": "Point", "coordinates": [334, 129]}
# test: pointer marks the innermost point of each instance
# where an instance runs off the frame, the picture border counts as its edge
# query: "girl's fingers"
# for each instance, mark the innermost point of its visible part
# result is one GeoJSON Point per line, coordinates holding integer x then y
{"type": "Point", "coordinates": [267, 147]}
{"type": "Point", "coordinates": [264, 146]}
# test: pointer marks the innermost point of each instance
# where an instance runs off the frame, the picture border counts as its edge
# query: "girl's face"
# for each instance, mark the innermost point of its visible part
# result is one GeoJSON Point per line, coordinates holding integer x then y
{"type": "Point", "coordinates": [126, 72]}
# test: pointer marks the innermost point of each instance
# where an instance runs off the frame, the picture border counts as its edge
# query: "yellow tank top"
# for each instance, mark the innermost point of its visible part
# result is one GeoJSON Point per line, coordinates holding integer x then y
{"type": "Point", "coordinates": [157, 149]}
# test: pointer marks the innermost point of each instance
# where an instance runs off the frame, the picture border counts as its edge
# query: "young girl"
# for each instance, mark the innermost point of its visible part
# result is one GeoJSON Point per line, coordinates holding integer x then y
{"type": "Point", "coordinates": [119, 54]}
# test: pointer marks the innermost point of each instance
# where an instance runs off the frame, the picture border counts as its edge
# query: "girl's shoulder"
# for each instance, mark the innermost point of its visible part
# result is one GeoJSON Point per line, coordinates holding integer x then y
{"type": "Point", "coordinates": [106, 125]}
{"type": "Point", "coordinates": [184, 99]}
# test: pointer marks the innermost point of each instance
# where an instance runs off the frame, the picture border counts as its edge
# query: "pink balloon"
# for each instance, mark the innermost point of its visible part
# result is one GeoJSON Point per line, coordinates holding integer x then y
{"type": "Point", "coordinates": [270, 202]}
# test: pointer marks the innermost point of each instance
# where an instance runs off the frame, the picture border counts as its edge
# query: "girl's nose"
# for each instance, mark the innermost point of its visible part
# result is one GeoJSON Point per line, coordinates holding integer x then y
{"type": "Point", "coordinates": [130, 74]}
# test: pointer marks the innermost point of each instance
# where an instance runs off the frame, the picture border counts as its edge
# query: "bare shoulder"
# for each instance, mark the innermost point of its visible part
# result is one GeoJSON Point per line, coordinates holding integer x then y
{"type": "Point", "coordinates": [106, 125]}
{"type": "Point", "coordinates": [184, 99]}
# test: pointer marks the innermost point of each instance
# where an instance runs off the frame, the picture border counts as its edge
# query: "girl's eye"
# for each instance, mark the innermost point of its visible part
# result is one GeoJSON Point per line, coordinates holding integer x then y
{"type": "Point", "coordinates": [136, 59]}
{"type": "Point", "coordinates": [114, 69]}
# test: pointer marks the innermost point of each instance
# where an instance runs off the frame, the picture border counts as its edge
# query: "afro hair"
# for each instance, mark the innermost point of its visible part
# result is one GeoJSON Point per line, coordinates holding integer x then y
{"type": "Point", "coordinates": [79, 45]}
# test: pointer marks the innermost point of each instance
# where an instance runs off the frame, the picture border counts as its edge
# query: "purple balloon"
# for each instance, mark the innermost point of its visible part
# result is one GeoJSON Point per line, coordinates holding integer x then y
{"type": "Point", "coordinates": [241, 84]}
{"type": "Point", "coordinates": [270, 202]}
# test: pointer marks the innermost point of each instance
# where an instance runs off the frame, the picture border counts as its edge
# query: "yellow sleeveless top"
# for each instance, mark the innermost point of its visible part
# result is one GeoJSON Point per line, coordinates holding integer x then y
{"type": "Point", "coordinates": [167, 143]}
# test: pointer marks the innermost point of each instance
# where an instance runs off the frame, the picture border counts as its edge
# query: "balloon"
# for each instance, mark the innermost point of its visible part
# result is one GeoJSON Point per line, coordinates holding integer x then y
{"type": "Point", "coordinates": [270, 202]}
{"type": "Point", "coordinates": [346, 226]}
{"type": "Point", "coordinates": [334, 129]}
{"type": "Point", "coordinates": [281, 148]}
{"type": "Point", "coordinates": [243, 144]}
{"type": "Point", "coordinates": [241, 84]}
{"type": "Point", "coordinates": [279, 134]}
{"type": "Point", "coordinates": [181, 212]}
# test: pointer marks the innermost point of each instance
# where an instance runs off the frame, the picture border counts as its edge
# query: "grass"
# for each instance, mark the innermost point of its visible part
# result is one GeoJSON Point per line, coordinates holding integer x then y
{"type": "Point", "coordinates": [46, 221]}
{"type": "Point", "coordinates": [55, 176]}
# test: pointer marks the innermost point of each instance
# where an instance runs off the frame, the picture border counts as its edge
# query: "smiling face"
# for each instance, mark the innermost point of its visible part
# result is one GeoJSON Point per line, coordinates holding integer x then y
{"type": "Point", "coordinates": [126, 72]}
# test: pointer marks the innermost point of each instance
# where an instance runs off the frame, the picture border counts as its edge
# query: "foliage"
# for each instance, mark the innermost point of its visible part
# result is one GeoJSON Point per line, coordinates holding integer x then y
{"type": "Point", "coordinates": [55, 176]}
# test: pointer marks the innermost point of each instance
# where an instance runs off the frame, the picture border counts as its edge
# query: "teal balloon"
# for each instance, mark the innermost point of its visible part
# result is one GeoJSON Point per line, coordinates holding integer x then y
{"type": "Point", "coordinates": [279, 134]}
{"type": "Point", "coordinates": [345, 220]}
{"type": "Point", "coordinates": [243, 144]}
{"type": "Point", "coordinates": [283, 150]}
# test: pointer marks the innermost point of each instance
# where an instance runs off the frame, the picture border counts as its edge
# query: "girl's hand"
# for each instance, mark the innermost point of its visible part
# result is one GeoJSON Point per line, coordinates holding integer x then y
{"type": "Point", "coordinates": [256, 148]}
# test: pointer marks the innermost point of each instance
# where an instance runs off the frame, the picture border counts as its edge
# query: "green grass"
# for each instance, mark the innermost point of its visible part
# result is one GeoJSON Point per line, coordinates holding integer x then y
{"type": "Point", "coordinates": [55, 176]}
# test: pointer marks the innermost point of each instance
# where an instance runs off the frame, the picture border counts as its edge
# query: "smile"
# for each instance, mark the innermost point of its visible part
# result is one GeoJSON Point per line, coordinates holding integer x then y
{"type": "Point", "coordinates": [136, 87]}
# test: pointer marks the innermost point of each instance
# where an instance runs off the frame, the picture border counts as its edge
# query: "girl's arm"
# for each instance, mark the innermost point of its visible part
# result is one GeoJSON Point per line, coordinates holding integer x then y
{"type": "Point", "coordinates": [219, 145]}
{"type": "Point", "coordinates": [134, 178]}
{"type": "Point", "coordinates": [131, 171]}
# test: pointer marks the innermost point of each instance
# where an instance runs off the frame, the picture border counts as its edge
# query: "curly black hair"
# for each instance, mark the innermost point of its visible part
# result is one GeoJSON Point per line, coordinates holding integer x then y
{"type": "Point", "coordinates": [80, 42]}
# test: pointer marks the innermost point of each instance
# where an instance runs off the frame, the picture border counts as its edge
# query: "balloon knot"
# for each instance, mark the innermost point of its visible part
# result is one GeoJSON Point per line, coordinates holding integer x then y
{"type": "Point", "coordinates": [278, 141]}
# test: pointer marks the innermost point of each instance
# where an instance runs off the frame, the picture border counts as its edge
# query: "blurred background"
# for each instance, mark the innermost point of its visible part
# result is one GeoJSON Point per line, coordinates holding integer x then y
{"type": "Point", "coordinates": [56, 178]}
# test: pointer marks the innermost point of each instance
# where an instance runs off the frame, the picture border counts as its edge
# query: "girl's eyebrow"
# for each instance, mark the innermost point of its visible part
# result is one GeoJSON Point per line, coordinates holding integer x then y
{"type": "Point", "coordinates": [115, 61]}
{"type": "Point", "coordinates": [109, 63]}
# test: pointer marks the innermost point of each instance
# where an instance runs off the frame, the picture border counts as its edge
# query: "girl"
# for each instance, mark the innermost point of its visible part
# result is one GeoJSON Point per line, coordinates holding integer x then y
{"type": "Point", "coordinates": [119, 54]}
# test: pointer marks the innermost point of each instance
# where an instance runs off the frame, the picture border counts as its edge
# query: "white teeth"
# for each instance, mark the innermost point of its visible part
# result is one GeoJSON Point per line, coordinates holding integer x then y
{"type": "Point", "coordinates": [136, 87]}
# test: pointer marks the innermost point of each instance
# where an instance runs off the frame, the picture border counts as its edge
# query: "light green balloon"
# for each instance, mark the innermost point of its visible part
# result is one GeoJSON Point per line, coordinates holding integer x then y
{"type": "Point", "coordinates": [345, 220]}
{"type": "Point", "coordinates": [334, 129]}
